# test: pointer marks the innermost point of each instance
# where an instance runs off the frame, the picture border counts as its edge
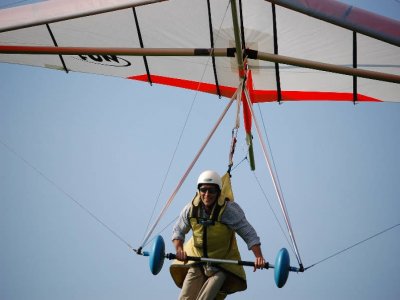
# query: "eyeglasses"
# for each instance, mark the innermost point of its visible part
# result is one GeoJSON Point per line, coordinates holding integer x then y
{"type": "Point", "coordinates": [210, 190]}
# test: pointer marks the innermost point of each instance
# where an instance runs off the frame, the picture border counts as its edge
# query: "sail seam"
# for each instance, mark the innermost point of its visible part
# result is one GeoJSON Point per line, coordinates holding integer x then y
{"type": "Point", "coordinates": [355, 87]}
{"type": "Point", "coordinates": [276, 51]}
{"type": "Point", "coordinates": [146, 65]}
{"type": "Point", "coordinates": [242, 25]}
{"type": "Point", "coordinates": [212, 47]}
{"type": "Point", "coordinates": [55, 44]}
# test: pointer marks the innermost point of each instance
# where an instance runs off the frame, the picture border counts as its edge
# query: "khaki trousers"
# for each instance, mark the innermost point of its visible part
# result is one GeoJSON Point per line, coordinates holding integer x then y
{"type": "Point", "coordinates": [197, 286]}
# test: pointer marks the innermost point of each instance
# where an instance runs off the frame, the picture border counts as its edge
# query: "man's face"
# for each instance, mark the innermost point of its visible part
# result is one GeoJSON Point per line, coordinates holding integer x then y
{"type": "Point", "coordinates": [209, 194]}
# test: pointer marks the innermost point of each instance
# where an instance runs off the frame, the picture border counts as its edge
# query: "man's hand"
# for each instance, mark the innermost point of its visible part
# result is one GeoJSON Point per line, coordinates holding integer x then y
{"type": "Point", "coordinates": [180, 253]}
{"type": "Point", "coordinates": [259, 263]}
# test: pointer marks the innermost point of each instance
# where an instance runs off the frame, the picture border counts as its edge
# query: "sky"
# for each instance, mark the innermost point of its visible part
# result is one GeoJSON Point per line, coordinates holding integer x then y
{"type": "Point", "coordinates": [83, 154]}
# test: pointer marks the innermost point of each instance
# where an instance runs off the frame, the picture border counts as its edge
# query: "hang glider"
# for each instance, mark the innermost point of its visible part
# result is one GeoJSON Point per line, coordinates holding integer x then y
{"type": "Point", "coordinates": [258, 51]}
{"type": "Point", "coordinates": [290, 50]}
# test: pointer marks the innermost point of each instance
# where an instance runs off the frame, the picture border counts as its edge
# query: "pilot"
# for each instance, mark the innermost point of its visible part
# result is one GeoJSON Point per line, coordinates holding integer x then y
{"type": "Point", "coordinates": [214, 219]}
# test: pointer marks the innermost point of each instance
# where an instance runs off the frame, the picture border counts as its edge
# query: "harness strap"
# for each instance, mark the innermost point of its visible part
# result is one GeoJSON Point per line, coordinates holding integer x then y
{"type": "Point", "coordinates": [206, 222]}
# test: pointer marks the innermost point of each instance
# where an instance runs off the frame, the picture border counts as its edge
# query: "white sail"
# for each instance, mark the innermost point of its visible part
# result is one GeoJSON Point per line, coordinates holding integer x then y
{"type": "Point", "coordinates": [182, 24]}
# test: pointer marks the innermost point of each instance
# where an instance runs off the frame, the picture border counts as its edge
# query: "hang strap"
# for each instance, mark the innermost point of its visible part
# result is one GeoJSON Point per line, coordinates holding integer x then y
{"type": "Point", "coordinates": [235, 127]}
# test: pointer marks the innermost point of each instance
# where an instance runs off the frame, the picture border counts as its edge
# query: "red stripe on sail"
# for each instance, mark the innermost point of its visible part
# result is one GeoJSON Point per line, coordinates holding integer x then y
{"type": "Point", "coordinates": [257, 96]}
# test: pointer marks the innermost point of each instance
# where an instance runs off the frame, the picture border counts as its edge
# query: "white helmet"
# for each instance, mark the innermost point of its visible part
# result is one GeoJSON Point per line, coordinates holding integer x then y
{"type": "Point", "coordinates": [209, 177]}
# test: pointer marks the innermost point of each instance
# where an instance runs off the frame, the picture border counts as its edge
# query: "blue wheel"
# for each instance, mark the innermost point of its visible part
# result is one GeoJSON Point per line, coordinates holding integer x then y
{"type": "Point", "coordinates": [157, 254]}
{"type": "Point", "coordinates": [282, 264]}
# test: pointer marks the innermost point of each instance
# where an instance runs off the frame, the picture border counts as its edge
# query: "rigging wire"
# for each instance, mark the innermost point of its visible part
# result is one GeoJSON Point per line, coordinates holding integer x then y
{"type": "Point", "coordinates": [275, 182]}
{"type": "Point", "coordinates": [266, 198]}
{"type": "Point", "coordinates": [232, 168]}
{"type": "Point", "coordinates": [268, 143]}
{"type": "Point", "coordinates": [239, 163]}
{"type": "Point", "coordinates": [180, 183]}
{"type": "Point", "coordinates": [273, 165]}
{"type": "Point", "coordinates": [352, 246]}
{"type": "Point", "coordinates": [264, 193]}
{"type": "Point", "coordinates": [273, 211]}
{"type": "Point", "coordinates": [170, 163]}
{"type": "Point", "coordinates": [159, 232]}
{"type": "Point", "coordinates": [147, 233]}
{"type": "Point", "coordinates": [124, 241]}
{"type": "Point", "coordinates": [66, 194]}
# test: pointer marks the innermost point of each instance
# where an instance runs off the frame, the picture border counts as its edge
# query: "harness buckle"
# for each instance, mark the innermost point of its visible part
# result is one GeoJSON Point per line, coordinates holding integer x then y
{"type": "Point", "coordinates": [205, 222]}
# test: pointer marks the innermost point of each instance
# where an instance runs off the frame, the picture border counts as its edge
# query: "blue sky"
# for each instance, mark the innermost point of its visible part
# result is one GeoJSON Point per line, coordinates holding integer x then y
{"type": "Point", "coordinates": [107, 143]}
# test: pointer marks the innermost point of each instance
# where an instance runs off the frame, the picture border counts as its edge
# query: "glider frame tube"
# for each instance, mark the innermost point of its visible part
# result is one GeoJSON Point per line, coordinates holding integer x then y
{"type": "Point", "coordinates": [217, 52]}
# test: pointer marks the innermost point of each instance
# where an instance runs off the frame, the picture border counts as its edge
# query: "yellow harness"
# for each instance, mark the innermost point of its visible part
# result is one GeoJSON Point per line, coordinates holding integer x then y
{"type": "Point", "coordinates": [212, 239]}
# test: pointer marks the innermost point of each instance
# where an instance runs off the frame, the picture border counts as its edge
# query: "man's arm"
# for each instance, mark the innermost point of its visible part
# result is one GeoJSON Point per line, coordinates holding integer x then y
{"type": "Point", "coordinates": [235, 218]}
{"type": "Point", "coordinates": [180, 229]}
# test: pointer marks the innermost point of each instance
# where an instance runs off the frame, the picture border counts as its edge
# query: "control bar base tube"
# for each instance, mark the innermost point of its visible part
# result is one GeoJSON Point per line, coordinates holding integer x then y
{"type": "Point", "coordinates": [267, 265]}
